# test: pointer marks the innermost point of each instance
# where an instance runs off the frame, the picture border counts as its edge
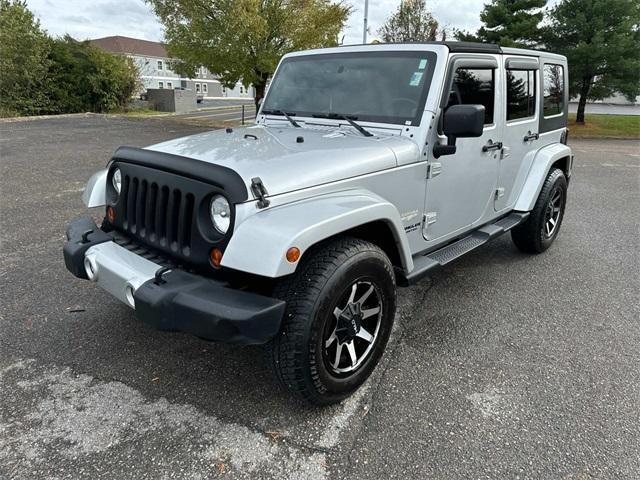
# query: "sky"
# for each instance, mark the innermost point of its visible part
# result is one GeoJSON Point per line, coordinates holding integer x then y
{"type": "Point", "coordinates": [84, 19]}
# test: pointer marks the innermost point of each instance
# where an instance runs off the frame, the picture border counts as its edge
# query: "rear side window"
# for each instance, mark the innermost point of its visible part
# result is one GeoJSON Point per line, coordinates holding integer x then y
{"type": "Point", "coordinates": [521, 94]}
{"type": "Point", "coordinates": [474, 87]}
{"type": "Point", "coordinates": [553, 84]}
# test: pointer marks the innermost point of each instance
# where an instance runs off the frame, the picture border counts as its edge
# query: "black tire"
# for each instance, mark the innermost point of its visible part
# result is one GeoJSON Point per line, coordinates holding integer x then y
{"type": "Point", "coordinates": [298, 355]}
{"type": "Point", "coordinates": [532, 236]}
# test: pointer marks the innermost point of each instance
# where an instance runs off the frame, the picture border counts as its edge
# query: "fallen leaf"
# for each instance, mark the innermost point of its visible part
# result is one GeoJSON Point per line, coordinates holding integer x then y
{"type": "Point", "coordinates": [275, 435]}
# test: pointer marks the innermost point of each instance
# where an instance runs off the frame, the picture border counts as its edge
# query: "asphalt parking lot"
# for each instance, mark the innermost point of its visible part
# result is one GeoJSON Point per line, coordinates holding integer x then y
{"type": "Point", "coordinates": [502, 366]}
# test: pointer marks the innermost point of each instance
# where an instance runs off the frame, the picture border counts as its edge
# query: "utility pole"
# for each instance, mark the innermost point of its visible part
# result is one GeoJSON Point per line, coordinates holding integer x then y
{"type": "Point", "coordinates": [366, 15]}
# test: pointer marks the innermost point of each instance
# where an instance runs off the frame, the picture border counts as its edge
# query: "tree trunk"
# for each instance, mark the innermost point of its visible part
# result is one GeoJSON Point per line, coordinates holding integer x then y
{"type": "Point", "coordinates": [582, 102]}
{"type": "Point", "coordinates": [259, 88]}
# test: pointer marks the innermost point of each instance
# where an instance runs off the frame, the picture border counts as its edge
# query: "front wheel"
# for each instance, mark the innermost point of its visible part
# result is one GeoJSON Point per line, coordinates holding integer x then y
{"type": "Point", "coordinates": [340, 309]}
{"type": "Point", "coordinates": [539, 231]}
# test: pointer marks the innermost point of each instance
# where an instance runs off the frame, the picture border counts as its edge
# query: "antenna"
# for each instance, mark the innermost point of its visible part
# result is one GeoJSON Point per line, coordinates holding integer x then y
{"type": "Point", "coordinates": [366, 15]}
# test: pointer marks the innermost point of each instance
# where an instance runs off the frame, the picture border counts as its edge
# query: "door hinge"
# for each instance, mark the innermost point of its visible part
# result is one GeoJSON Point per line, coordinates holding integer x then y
{"type": "Point", "coordinates": [499, 192]}
{"type": "Point", "coordinates": [506, 151]}
{"type": "Point", "coordinates": [434, 169]}
{"type": "Point", "coordinates": [429, 218]}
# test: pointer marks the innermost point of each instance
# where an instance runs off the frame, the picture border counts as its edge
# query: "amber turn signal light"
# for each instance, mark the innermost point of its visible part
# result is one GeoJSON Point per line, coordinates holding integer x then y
{"type": "Point", "coordinates": [293, 255]}
{"type": "Point", "coordinates": [111, 215]}
{"type": "Point", "coordinates": [216, 257]}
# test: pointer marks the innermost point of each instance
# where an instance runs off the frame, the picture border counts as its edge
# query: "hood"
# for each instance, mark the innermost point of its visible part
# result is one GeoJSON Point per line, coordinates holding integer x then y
{"type": "Point", "coordinates": [284, 164]}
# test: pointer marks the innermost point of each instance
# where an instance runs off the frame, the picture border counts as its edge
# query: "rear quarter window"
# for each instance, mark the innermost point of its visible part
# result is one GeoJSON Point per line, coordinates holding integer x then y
{"type": "Point", "coordinates": [553, 90]}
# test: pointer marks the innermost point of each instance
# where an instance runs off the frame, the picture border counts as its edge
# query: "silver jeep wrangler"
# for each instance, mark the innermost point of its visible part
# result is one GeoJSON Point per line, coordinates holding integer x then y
{"type": "Point", "coordinates": [368, 167]}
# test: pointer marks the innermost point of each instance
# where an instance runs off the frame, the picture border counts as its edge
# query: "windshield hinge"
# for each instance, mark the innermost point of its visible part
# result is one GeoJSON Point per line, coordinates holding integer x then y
{"type": "Point", "coordinates": [434, 169]}
{"type": "Point", "coordinates": [260, 192]}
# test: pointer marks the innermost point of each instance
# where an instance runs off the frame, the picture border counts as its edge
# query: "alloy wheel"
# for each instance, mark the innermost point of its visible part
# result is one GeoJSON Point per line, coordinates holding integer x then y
{"type": "Point", "coordinates": [353, 328]}
{"type": "Point", "coordinates": [552, 214]}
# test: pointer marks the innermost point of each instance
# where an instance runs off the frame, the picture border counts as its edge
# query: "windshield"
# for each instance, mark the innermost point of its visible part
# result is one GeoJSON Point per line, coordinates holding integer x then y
{"type": "Point", "coordinates": [385, 87]}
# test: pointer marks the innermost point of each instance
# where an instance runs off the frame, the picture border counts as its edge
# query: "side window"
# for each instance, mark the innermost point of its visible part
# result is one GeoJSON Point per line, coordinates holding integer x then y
{"type": "Point", "coordinates": [160, 65]}
{"type": "Point", "coordinates": [160, 84]}
{"type": "Point", "coordinates": [197, 88]}
{"type": "Point", "coordinates": [521, 94]}
{"type": "Point", "coordinates": [553, 84]}
{"type": "Point", "coordinates": [474, 87]}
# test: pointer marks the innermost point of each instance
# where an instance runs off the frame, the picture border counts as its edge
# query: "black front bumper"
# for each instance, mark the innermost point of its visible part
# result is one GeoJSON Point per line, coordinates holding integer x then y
{"type": "Point", "coordinates": [189, 303]}
{"type": "Point", "coordinates": [185, 302]}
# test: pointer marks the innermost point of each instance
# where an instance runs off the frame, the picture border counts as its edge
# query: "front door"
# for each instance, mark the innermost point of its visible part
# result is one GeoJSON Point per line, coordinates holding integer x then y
{"type": "Point", "coordinates": [520, 133]}
{"type": "Point", "coordinates": [461, 187]}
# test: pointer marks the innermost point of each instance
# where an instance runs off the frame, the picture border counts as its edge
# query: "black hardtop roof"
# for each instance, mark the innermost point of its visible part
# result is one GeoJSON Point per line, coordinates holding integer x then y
{"type": "Point", "coordinates": [453, 46]}
{"type": "Point", "coordinates": [469, 47]}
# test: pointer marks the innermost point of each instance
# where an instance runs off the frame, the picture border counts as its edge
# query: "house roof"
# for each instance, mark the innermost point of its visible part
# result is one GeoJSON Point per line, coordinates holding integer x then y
{"type": "Point", "coordinates": [135, 46]}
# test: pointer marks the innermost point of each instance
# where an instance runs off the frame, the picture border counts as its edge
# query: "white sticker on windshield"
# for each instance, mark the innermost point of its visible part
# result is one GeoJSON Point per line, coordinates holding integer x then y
{"type": "Point", "coordinates": [423, 64]}
{"type": "Point", "coordinates": [415, 79]}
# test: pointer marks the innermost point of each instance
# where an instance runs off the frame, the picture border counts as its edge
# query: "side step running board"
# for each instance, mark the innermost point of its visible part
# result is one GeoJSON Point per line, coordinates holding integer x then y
{"type": "Point", "coordinates": [431, 262]}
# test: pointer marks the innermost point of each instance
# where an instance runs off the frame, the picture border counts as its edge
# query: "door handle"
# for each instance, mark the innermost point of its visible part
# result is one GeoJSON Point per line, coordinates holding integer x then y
{"type": "Point", "coordinates": [492, 146]}
{"type": "Point", "coordinates": [531, 136]}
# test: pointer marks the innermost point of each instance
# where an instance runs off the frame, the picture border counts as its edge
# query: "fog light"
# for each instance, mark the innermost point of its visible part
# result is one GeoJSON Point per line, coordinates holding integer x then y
{"type": "Point", "coordinates": [111, 215]}
{"type": "Point", "coordinates": [129, 294]}
{"type": "Point", "coordinates": [216, 257]}
{"type": "Point", "coordinates": [293, 255]}
{"type": "Point", "coordinates": [90, 268]}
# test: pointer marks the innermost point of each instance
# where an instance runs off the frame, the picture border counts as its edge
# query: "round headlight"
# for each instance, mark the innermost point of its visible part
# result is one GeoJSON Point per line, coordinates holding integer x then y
{"type": "Point", "coordinates": [220, 213]}
{"type": "Point", "coordinates": [116, 180]}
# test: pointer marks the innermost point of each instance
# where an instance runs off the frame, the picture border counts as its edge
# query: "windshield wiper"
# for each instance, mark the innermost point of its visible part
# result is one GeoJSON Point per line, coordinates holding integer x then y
{"type": "Point", "coordinates": [342, 116]}
{"type": "Point", "coordinates": [281, 112]}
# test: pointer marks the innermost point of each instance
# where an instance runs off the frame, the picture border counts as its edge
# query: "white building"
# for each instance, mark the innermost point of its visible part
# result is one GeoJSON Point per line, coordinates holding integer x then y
{"type": "Point", "coordinates": [153, 63]}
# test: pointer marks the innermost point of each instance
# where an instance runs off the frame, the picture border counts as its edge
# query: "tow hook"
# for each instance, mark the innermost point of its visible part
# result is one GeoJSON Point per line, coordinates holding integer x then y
{"type": "Point", "coordinates": [158, 280]}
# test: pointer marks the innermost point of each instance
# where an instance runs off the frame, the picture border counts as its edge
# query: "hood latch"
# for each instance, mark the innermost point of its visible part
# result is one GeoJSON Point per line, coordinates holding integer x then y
{"type": "Point", "coordinates": [260, 192]}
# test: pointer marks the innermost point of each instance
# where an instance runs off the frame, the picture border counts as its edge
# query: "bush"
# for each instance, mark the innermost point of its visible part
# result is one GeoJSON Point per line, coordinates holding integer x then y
{"type": "Point", "coordinates": [24, 61]}
{"type": "Point", "coordinates": [42, 75]}
{"type": "Point", "coordinates": [88, 79]}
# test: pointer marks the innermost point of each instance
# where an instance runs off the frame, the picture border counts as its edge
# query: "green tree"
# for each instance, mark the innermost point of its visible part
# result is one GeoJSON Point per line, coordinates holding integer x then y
{"type": "Point", "coordinates": [24, 63]}
{"type": "Point", "coordinates": [86, 78]}
{"type": "Point", "coordinates": [510, 23]}
{"type": "Point", "coordinates": [245, 39]}
{"type": "Point", "coordinates": [411, 22]}
{"type": "Point", "coordinates": [601, 40]}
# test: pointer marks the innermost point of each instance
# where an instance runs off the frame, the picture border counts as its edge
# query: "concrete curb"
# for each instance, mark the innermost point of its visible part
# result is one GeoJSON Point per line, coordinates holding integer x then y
{"type": "Point", "coordinates": [46, 117]}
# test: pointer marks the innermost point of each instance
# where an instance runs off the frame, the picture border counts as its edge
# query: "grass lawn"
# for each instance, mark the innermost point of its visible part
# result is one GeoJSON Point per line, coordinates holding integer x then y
{"type": "Point", "coordinates": [605, 126]}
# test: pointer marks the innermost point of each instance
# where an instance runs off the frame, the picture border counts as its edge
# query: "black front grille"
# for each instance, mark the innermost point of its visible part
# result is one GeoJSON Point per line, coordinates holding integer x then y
{"type": "Point", "coordinates": [166, 212]}
{"type": "Point", "coordinates": [158, 214]}
{"type": "Point", "coordinates": [144, 251]}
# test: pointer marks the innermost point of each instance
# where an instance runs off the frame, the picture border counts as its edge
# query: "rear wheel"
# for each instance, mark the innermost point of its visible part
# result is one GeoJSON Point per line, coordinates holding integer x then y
{"type": "Point", "coordinates": [539, 231]}
{"type": "Point", "coordinates": [340, 310]}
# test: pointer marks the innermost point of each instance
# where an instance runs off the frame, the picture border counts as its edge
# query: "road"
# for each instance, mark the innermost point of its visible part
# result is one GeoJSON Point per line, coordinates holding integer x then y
{"type": "Point", "coordinates": [607, 109]}
{"type": "Point", "coordinates": [231, 111]}
{"type": "Point", "coordinates": [502, 366]}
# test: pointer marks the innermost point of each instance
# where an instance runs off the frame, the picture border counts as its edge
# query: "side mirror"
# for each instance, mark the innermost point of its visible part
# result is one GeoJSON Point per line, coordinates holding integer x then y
{"type": "Point", "coordinates": [459, 121]}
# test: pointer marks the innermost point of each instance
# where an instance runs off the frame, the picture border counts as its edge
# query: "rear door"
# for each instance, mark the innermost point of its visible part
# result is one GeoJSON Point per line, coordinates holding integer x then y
{"type": "Point", "coordinates": [520, 114]}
